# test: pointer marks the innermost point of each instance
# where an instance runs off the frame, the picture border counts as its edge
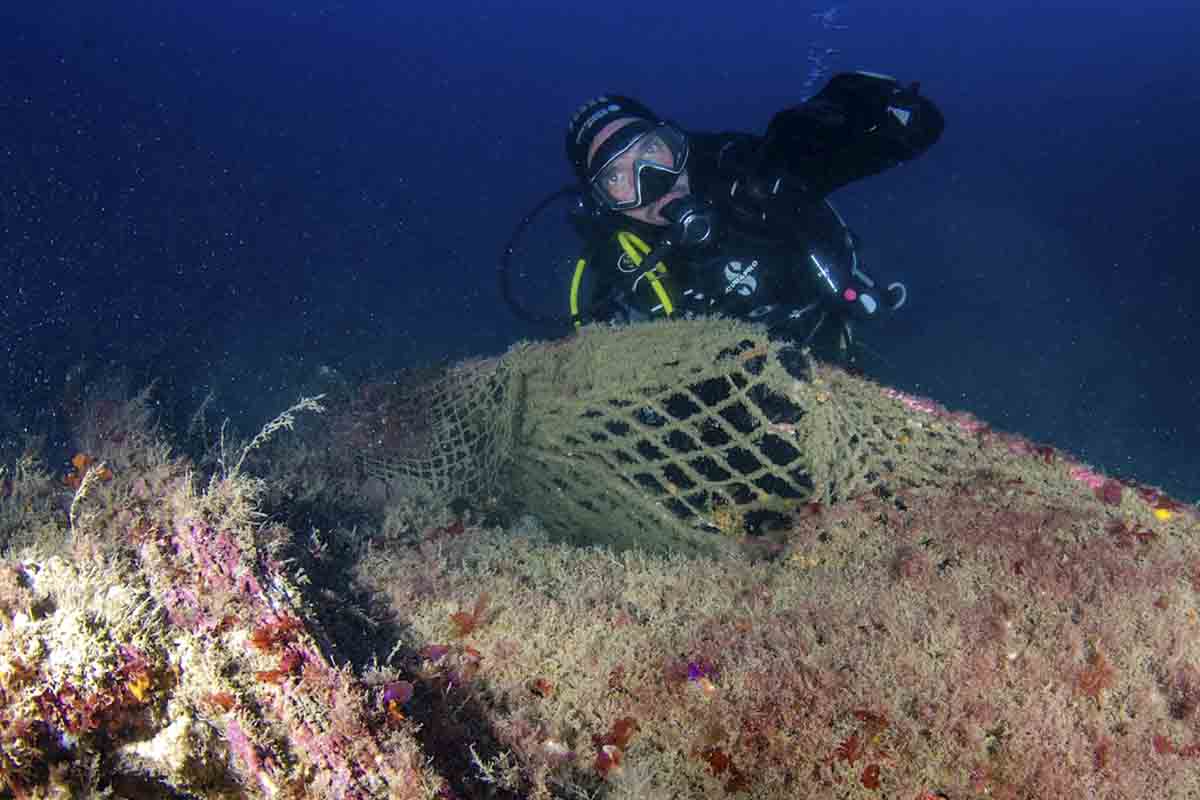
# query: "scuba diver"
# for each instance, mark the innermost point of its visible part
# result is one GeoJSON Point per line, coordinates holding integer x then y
{"type": "Point", "coordinates": [680, 224]}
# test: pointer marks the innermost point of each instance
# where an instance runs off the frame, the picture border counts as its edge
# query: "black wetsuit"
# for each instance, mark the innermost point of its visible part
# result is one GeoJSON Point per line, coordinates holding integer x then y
{"type": "Point", "coordinates": [757, 267]}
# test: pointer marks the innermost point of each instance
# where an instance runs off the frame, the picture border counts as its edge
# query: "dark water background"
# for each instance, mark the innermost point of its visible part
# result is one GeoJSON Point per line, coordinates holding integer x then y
{"type": "Point", "coordinates": [240, 197]}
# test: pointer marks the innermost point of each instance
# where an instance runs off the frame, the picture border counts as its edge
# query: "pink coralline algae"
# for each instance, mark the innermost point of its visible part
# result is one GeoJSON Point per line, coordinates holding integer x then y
{"type": "Point", "coordinates": [1110, 492]}
{"type": "Point", "coordinates": [1087, 477]}
{"type": "Point", "coordinates": [918, 404]}
{"type": "Point", "coordinates": [217, 555]}
{"type": "Point", "coordinates": [1106, 490]}
{"type": "Point", "coordinates": [970, 425]}
{"type": "Point", "coordinates": [246, 752]}
{"type": "Point", "coordinates": [211, 582]}
{"type": "Point", "coordinates": [964, 421]}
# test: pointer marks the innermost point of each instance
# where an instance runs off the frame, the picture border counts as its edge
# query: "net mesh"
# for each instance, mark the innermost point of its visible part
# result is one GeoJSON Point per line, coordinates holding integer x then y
{"type": "Point", "coordinates": [446, 436]}
{"type": "Point", "coordinates": [682, 436]}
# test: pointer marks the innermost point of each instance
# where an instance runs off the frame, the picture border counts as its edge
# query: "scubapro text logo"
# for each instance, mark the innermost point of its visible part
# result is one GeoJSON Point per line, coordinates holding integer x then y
{"type": "Point", "coordinates": [740, 278]}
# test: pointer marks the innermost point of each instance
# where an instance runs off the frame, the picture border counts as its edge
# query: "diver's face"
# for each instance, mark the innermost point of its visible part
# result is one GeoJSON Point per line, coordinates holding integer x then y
{"type": "Point", "coordinates": [622, 169]}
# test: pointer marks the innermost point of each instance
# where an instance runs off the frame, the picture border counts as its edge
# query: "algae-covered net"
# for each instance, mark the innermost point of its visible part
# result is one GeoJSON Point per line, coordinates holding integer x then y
{"type": "Point", "coordinates": [446, 436]}
{"type": "Point", "coordinates": [657, 436]}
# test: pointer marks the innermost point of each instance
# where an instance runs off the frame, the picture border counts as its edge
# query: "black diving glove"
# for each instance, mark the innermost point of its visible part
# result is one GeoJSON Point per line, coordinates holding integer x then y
{"type": "Point", "coordinates": [852, 108]}
{"type": "Point", "coordinates": [902, 115]}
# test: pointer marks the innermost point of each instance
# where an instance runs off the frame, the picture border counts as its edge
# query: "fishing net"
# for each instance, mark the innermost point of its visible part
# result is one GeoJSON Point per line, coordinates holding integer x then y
{"type": "Point", "coordinates": [682, 436]}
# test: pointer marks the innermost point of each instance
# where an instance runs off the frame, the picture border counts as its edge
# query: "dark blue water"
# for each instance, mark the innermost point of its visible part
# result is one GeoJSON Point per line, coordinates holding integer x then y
{"type": "Point", "coordinates": [228, 197]}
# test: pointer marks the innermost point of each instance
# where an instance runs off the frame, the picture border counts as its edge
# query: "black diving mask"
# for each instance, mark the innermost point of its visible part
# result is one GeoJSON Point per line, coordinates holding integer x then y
{"type": "Point", "coordinates": [638, 165]}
